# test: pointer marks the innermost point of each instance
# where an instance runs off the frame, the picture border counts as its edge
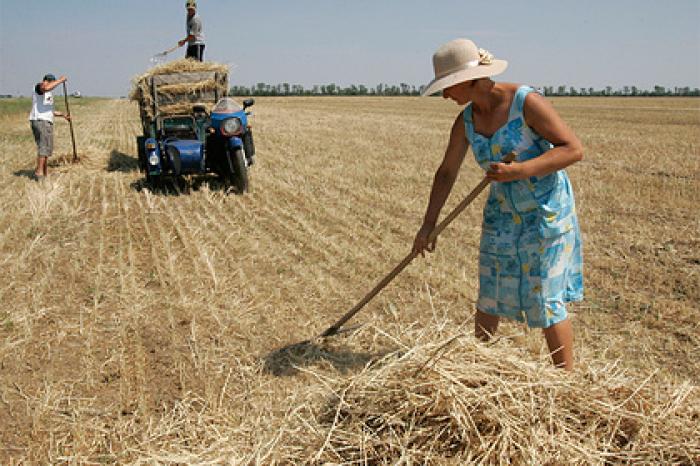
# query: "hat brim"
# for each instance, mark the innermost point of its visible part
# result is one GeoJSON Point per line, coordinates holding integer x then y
{"type": "Point", "coordinates": [481, 71]}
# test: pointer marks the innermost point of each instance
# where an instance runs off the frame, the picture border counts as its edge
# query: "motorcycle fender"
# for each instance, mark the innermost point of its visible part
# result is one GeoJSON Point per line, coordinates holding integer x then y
{"type": "Point", "coordinates": [235, 143]}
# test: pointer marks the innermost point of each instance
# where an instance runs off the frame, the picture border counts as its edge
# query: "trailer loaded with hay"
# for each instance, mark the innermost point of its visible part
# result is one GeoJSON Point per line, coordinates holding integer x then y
{"type": "Point", "coordinates": [190, 126]}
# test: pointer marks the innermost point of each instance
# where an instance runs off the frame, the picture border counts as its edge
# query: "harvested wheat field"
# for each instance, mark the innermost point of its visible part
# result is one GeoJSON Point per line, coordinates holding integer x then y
{"type": "Point", "coordinates": [164, 327]}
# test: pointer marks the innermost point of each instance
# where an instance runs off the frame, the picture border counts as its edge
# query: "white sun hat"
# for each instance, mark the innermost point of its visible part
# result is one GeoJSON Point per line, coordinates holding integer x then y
{"type": "Point", "coordinates": [460, 60]}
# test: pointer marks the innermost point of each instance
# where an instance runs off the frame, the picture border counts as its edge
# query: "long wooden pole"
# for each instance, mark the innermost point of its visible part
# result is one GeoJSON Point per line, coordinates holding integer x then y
{"type": "Point", "coordinates": [70, 122]}
{"type": "Point", "coordinates": [335, 328]}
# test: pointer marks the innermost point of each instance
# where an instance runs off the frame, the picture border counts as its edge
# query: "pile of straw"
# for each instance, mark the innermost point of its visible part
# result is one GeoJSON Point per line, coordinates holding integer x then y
{"type": "Point", "coordinates": [460, 401]}
{"type": "Point", "coordinates": [191, 91]}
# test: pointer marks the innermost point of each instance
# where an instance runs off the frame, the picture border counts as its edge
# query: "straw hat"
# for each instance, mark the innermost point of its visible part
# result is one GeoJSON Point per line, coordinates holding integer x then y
{"type": "Point", "coordinates": [460, 60]}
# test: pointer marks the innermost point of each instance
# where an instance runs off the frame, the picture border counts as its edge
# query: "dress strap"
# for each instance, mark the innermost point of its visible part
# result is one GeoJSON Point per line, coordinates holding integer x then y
{"type": "Point", "coordinates": [516, 109]}
{"type": "Point", "coordinates": [469, 122]}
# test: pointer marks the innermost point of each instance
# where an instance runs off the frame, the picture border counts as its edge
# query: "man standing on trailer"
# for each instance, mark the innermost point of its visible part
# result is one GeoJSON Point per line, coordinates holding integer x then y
{"type": "Point", "coordinates": [195, 35]}
{"type": "Point", "coordinates": [41, 119]}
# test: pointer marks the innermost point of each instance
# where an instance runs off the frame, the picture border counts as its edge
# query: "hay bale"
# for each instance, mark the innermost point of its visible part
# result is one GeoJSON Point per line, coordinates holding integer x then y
{"type": "Point", "coordinates": [180, 85]}
{"type": "Point", "coordinates": [459, 401]}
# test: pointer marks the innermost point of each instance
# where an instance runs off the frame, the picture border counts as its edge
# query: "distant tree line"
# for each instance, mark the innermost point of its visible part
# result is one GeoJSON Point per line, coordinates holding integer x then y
{"type": "Point", "coordinates": [403, 89]}
{"type": "Point", "coordinates": [263, 89]}
{"type": "Point", "coordinates": [658, 91]}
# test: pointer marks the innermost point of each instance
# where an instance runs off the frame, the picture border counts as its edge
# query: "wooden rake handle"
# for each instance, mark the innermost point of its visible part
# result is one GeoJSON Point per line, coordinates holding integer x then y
{"type": "Point", "coordinates": [70, 122]}
{"type": "Point", "coordinates": [171, 49]}
{"type": "Point", "coordinates": [335, 328]}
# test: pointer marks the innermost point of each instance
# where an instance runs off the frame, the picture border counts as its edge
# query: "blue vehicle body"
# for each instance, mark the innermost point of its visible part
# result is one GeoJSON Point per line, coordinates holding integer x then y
{"type": "Point", "coordinates": [218, 142]}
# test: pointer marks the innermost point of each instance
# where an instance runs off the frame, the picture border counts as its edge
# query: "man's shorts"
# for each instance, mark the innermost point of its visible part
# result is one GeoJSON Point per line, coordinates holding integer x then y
{"type": "Point", "coordinates": [43, 135]}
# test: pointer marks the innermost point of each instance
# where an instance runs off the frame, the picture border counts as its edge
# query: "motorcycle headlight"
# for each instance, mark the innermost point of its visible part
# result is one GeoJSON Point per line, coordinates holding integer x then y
{"type": "Point", "coordinates": [153, 159]}
{"type": "Point", "coordinates": [231, 127]}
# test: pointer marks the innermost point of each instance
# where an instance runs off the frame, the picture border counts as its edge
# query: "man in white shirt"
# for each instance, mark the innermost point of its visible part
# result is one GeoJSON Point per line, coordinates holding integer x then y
{"type": "Point", "coordinates": [41, 120]}
{"type": "Point", "coordinates": [195, 35]}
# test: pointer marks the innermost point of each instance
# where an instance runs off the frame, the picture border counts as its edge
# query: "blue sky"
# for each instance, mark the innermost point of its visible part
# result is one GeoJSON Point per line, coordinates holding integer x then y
{"type": "Point", "coordinates": [102, 44]}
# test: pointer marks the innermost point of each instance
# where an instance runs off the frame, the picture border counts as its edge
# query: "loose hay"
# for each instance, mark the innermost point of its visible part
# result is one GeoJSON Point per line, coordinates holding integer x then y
{"type": "Point", "coordinates": [190, 88]}
{"type": "Point", "coordinates": [456, 399]}
{"type": "Point", "coordinates": [180, 109]}
{"type": "Point", "coordinates": [193, 91]}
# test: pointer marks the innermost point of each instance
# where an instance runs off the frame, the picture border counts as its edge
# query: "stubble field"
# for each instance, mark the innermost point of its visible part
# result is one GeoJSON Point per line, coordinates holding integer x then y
{"type": "Point", "coordinates": [142, 327]}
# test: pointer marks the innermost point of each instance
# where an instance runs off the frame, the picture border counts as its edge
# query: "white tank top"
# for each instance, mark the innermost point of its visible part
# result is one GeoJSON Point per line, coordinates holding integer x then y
{"type": "Point", "coordinates": [42, 106]}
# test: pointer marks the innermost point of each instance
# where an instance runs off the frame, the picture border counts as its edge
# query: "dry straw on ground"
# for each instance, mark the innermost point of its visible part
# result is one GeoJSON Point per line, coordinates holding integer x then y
{"type": "Point", "coordinates": [144, 326]}
{"type": "Point", "coordinates": [453, 398]}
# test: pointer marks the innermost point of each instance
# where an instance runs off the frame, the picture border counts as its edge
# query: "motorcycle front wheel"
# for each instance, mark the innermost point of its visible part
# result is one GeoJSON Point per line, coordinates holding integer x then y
{"type": "Point", "coordinates": [239, 170]}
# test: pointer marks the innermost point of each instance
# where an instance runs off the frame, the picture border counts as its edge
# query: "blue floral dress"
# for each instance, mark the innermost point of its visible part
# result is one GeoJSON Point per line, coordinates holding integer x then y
{"type": "Point", "coordinates": [530, 261]}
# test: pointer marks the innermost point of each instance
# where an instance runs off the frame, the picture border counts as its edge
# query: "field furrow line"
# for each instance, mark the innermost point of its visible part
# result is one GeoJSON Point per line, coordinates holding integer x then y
{"type": "Point", "coordinates": [149, 208]}
{"type": "Point", "coordinates": [169, 250]}
{"type": "Point", "coordinates": [101, 240]}
{"type": "Point", "coordinates": [219, 247]}
{"type": "Point", "coordinates": [191, 230]}
{"type": "Point", "coordinates": [339, 254]}
{"type": "Point", "coordinates": [210, 213]}
{"type": "Point", "coordinates": [238, 251]}
{"type": "Point", "coordinates": [129, 266]}
{"type": "Point", "coordinates": [184, 241]}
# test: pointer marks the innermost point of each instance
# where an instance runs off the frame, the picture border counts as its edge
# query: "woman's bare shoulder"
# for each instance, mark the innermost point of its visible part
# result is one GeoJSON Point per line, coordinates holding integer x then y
{"type": "Point", "coordinates": [510, 88]}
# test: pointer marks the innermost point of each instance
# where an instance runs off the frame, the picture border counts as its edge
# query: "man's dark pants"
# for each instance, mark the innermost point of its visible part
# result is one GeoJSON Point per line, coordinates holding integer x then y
{"type": "Point", "coordinates": [195, 51]}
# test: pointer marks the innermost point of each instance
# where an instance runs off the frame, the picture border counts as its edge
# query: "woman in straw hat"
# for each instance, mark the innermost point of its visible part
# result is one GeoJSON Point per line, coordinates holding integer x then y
{"type": "Point", "coordinates": [530, 262]}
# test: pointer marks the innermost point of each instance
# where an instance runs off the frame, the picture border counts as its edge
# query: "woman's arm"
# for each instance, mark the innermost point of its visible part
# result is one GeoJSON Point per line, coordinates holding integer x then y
{"type": "Point", "coordinates": [442, 184]}
{"type": "Point", "coordinates": [541, 117]}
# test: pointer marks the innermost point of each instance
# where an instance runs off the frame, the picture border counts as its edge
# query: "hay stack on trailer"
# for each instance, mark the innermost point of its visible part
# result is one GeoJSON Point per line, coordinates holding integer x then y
{"type": "Point", "coordinates": [176, 87]}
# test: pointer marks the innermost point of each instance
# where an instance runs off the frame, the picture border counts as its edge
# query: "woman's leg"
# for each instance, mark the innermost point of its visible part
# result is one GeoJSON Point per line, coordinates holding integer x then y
{"type": "Point", "coordinates": [560, 341]}
{"type": "Point", "coordinates": [485, 325]}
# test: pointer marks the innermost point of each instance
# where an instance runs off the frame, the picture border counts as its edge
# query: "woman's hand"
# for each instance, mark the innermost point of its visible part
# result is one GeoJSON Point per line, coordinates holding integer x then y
{"type": "Point", "coordinates": [442, 185]}
{"type": "Point", "coordinates": [422, 242]}
{"type": "Point", "coordinates": [503, 172]}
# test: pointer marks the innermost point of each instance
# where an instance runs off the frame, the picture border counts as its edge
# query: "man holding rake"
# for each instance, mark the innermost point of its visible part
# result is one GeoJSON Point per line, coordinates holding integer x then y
{"type": "Point", "coordinates": [41, 120]}
{"type": "Point", "coordinates": [195, 36]}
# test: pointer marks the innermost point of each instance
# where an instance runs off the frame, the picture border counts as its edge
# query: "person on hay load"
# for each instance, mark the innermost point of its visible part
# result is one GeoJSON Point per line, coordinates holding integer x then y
{"type": "Point", "coordinates": [530, 261]}
{"type": "Point", "coordinates": [195, 36]}
{"type": "Point", "coordinates": [41, 121]}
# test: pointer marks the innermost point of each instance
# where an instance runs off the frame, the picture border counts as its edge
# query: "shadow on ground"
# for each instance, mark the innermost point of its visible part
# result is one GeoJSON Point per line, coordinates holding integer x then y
{"type": "Point", "coordinates": [25, 173]}
{"type": "Point", "coordinates": [121, 162]}
{"type": "Point", "coordinates": [288, 360]}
